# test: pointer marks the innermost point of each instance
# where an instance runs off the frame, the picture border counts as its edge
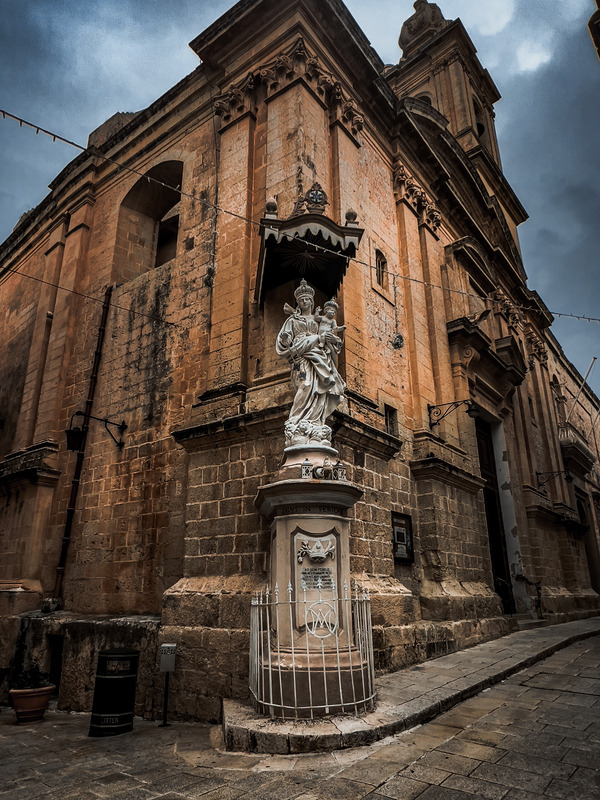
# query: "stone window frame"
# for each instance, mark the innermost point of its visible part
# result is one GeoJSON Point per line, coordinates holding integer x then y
{"type": "Point", "coordinates": [387, 289]}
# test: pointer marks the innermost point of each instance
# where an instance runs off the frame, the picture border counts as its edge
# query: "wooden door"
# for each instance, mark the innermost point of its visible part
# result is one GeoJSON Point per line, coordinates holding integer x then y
{"type": "Point", "coordinates": [493, 513]}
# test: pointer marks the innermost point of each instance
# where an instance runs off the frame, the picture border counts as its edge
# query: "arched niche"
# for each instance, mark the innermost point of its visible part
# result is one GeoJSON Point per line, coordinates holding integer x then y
{"type": "Point", "coordinates": [309, 246]}
{"type": "Point", "coordinates": [148, 225]}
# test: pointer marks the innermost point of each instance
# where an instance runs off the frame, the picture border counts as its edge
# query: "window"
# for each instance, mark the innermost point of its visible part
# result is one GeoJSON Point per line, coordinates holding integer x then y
{"type": "Point", "coordinates": [391, 419]}
{"type": "Point", "coordinates": [402, 538]}
{"type": "Point", "coordinates": [381, 277]}
{"type": "Point", "coordinates": [381, 269]}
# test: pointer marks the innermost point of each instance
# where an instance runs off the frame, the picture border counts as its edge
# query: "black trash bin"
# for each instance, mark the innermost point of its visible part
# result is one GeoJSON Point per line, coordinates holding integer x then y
{"type": "Point", "coordinates": [114, 692]}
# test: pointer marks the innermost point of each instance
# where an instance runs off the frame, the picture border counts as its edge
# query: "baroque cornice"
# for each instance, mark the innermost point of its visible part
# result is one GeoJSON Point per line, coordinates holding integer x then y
{"type": "Point", "coordinates": [508, 249]}
{"type": "Point", "coordinates": [296, 63]}
{"type": "Point", "coordinates": [408, 190]}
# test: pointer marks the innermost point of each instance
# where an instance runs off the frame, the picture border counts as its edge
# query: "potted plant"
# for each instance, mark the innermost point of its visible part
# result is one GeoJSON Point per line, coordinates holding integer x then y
{"type": "Point", "coordinates": [30, 694]}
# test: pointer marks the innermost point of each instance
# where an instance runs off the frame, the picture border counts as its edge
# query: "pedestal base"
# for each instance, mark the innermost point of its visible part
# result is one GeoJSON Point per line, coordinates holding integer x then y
{"type": "Point", "coordinates": [314, 685]}
{"type": "Point", "coordinates": [311, 648]}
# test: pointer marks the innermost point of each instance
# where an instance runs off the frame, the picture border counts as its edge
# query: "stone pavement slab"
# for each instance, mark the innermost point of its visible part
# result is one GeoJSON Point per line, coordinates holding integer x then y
{"type": "Point", "coordinates": [512, 742]}
{"type": "Point", "coordinates": [418, 694]}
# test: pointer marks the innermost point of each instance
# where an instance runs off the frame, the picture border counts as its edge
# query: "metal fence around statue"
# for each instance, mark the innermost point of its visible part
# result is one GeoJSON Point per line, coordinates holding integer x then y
{"type": "Point", "coordinates": [312, 656]}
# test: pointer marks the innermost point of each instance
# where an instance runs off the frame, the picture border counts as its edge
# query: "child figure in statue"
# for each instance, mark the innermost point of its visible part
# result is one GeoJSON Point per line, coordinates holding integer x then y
{"type": "Point", "coordinates": [328, 325]}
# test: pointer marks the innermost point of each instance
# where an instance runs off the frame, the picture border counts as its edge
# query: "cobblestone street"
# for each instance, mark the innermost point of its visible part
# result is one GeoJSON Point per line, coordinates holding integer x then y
{"type": "Point", "coordinates": [537, 734]}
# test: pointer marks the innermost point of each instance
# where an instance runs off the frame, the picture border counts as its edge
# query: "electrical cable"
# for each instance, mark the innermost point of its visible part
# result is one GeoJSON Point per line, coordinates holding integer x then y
{"type": "Point", "coordinates": [91, 297]}
{"type": "Point", "coordinates": [261, 225]}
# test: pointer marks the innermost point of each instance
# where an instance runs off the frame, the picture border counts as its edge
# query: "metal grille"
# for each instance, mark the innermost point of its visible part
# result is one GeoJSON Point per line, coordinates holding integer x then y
{"type": "Point", "coordinates": [312, 655]}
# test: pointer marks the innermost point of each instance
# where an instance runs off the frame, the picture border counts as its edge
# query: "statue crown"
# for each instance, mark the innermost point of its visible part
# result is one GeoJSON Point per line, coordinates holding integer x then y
{"type": "Point", "coordinates": [304, 289]}
{"type": "Point", "coordinates": [331, 304]}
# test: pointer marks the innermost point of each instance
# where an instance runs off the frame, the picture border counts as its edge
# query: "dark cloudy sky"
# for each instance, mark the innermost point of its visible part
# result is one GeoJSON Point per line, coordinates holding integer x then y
{"type": "Point", "coordinates": [68, 65]}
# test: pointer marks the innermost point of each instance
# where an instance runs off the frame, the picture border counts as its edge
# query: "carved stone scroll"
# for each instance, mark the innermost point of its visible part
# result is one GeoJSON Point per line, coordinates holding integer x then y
{"type": "Point", "coordinates": [286, 67]}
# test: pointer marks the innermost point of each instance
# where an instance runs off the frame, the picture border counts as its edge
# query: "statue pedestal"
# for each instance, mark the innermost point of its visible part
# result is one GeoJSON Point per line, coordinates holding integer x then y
{"type": "Point", "coordinates": [312, 650]}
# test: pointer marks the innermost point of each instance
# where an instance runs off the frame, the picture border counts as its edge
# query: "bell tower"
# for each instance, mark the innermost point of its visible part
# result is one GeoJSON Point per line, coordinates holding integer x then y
{"type": "Point", "coordinates": [439, 66]}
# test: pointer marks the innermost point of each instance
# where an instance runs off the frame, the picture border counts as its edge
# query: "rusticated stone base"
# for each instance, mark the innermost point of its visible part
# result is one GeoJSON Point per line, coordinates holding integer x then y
{"type": "Point", "coordinates": [558, 604]}
{"type": "Point", "coordinates": [455, 600]}
{"type": "Point", "coordinates": [401, 646]}
{"type": "Point", "coordinates": [208, 619]}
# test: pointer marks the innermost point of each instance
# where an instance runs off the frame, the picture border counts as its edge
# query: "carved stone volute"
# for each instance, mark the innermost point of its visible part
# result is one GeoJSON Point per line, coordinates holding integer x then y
{"type": "Point", "coordinates": [536, 347]}
{"type": "Point", "coordinates": [288, 66]}
{"type": "Point", "coordinates": [408, 190]}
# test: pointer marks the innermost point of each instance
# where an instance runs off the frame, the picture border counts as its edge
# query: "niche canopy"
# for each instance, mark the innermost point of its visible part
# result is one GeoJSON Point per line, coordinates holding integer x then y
{"type": "Point", "coordinates": [305, 245]}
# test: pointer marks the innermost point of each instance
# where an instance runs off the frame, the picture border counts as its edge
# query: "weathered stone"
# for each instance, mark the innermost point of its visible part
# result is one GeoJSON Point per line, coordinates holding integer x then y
{"type": "Point", "coordinates": [165, 527]}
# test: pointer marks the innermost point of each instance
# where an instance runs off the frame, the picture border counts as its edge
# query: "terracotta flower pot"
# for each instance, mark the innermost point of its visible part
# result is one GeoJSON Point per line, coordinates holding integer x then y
{"type": "Point", "coordinates": [30, 704]}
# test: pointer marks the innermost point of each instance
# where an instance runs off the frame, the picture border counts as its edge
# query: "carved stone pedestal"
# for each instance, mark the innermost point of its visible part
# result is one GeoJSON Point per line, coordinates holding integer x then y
{"type": "Point", "coordinates": [310, 646]}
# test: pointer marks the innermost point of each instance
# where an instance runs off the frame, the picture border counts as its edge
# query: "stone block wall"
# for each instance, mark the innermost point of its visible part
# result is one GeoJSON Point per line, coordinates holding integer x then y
{"type": "Point", "coordinates": [167, 524]}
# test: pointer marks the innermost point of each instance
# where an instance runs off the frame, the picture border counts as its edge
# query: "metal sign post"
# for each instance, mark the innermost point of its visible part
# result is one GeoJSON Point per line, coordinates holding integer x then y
{"type": "Point", "coordinates": [167, 665]}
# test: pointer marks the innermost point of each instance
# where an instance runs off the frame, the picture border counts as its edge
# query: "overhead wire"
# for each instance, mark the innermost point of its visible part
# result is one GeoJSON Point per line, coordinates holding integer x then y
{"type": "Point", "coordinates": [94, 151]}
{"type": "Point", "coordinates": [91, 297]}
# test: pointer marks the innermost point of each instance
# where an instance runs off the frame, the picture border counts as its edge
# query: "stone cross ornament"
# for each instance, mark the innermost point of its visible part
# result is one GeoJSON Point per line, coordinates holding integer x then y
{"type": "Point", "coordinates": [311, 343]}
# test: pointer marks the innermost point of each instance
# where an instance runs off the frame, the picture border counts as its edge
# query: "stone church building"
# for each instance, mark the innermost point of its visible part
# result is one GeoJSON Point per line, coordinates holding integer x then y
{"type": "Point", "coordinates": [141, 302]}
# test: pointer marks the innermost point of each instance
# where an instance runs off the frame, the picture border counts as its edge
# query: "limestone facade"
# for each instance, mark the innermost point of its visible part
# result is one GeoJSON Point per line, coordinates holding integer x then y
{"type": "Point", "coordinates": [196, 216]}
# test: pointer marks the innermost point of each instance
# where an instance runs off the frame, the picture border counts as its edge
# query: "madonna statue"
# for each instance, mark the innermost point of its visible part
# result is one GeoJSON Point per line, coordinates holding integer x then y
{"type": "Point", "coordinates": [311, 344]}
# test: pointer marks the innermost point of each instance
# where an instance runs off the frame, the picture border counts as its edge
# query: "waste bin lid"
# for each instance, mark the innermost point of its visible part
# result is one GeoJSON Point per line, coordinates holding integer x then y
{"type": "Point", "coordinates": [119, 652]}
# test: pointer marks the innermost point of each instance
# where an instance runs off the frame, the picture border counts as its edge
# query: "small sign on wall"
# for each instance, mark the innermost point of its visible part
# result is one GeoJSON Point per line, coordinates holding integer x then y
{"type": "Point", "coordinates": [402, 538]}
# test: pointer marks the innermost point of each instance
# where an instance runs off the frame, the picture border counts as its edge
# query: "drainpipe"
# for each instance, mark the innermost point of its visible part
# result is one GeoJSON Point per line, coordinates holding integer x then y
{"type": "Point", "coordinates": [66, 540]}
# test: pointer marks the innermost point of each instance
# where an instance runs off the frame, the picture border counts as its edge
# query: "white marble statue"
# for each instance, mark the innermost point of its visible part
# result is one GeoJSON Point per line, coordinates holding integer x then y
{"type": "Point", "coordinates": [311, 344]}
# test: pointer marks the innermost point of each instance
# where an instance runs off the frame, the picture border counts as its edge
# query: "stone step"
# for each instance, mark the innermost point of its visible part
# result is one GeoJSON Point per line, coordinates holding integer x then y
{"type": "Point", "coordinates": [406, 698]}
{"type": "Point", "coordinates": [529, 624]}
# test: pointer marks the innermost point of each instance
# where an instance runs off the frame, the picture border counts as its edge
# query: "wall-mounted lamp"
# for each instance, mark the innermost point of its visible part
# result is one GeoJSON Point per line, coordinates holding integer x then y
{"type": "Point", "coordinates": [441, 411]}
{"type": "Point", "coordinates": [75, 435]}
{"type": "Point", "coordinates": [543, 477]}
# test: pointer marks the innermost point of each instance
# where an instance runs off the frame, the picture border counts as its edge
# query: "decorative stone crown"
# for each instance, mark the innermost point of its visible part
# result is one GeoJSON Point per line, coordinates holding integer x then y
{"type": "Point", "coordinates": [424, 23]}
{"type": "Point", "coordinates": [331, 304]}
{"type": "Point", "coordinates": [304, 289]}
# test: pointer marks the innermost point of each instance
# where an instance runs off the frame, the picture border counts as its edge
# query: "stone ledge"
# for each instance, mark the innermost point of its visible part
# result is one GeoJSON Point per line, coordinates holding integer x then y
{"type": "Point", "coordinates": [35, 464]}
{"type": "Point", "coordinates": [360, 435]}
{"type": "Point", "coordinates": [246, 730]}
{"type": "Point", "coordinates": [438, 469]}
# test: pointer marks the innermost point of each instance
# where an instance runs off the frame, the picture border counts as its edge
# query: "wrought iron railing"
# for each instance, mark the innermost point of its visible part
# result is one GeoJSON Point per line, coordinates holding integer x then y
{"type": "Point", "coordinates": [312, 656]}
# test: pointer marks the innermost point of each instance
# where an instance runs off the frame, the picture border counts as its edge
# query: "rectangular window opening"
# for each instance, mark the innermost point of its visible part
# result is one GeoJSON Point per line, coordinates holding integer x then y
{"type": "Point", "coordinates": [380, 269]}
{"type": "Point", "coordinates": [391, 419]}
{"type": "Point", "coordinates": [402, 538]}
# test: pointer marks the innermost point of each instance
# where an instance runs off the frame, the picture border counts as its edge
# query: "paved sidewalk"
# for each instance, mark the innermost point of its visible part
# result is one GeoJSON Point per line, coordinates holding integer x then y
{"type": "Point", "coordinates": [406, 698]}
{"type": "Point", "coordinates": [534, 735]}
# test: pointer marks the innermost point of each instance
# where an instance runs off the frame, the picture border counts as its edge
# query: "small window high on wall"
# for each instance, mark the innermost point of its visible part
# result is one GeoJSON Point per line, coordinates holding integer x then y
{"type": "Point", "coordinates": [148, 225]}
{"type": "Point", "coordinates": [391, 419]}
{"type": "Point", "coordinates": [381, 269]}
{"type": "Point", "coordinates": [482, 125]}
{"type": "Point", "coordinates": [479, 121]}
